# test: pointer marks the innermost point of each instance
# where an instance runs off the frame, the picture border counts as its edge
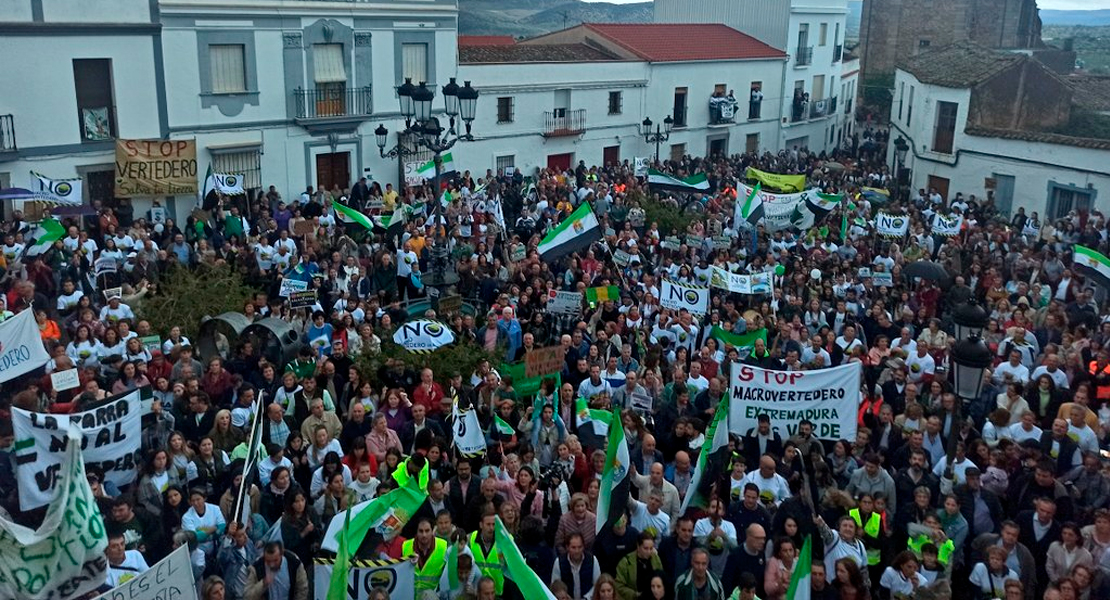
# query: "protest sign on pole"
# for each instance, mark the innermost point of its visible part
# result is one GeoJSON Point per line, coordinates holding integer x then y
{"type": "Point", "coordinates": [64, 557]}
{"type": "Point", "coordinates": [169, 579]}
{"type": "Point", "coordinates": [112, 440]}
{"type": "Point", "coordinates": [396, 577]}
{"type": "Point", "coordinates": [565, 303]}
{"type": "Point", "coordinates": [891, 225]}
{"type": "Point", "coordinates": [827, 397]}
{"type": "Point", "coordinates": [678, 296]}
{"type": "Point", "coordinates": [544, 361]}
{"type": "Point", "coordinates": [21, 349]}
{"type": "Point", "coordinates": [741, 283]}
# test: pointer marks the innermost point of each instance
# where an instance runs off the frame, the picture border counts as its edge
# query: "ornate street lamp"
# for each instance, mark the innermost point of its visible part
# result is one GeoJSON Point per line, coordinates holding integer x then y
{"type": "Point", "coordinates": [657, 136]}
{"type": "Point", "coordinates": [970, 360]}
{"type": "Point", "coordinates": [970, 319]}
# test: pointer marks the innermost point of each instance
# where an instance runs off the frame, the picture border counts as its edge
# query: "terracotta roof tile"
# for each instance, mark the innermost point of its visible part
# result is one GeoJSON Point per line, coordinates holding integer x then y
{"type": "Point", "coordinates": [663, 42]}
{"type": "Point", "coordinates": [1042, 137]}
{"type": "Point", "coordinates": [1090, 91]}
{"type": "Point", "coordinates": [959, 65]}
{"type": "Point", "coordinates": [486, 40]}
{"type": "Point", "coordinates": [539, 53]}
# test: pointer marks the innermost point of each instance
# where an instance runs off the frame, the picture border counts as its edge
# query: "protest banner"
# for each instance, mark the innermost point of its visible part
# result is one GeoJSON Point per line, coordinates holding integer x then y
{"type": "Point", "coordinates": [423, 335]}
{"type": "Point", "coordinates": [155, 168]}
{"type": "Point", "coordinates": [65, 380]}
{"type": "Point", "coordinates": [412, 173]}
{"type": "Point", "coordinates": [565, 303]}
{"type": "Point", "coordinates": [289, 285]}
{"type": "Point", "coordinates": [111, 442]}
{"type": "Point", "coordinates": [21, 349]}
{"type": "Point", "coordinates": [722, 242]}
{"type": "Point", "coordinates": [64, 557]}
{"type": "Point", "coordinates": [169, 579]}
{"type": "Point", "coordinates": [695, 241]}
{"type": "Point", "coordinates": [103, 266]}
{"type": "Point", "coordinates": [640, 166]}
{"type": "Point", "coordinates": [827, 397]}
{"type": "Point", "coordinates": [396, 577]}
{"type": "Point", "coordinates": [741, 283]}
{"type": "Point", "coordinates": [66, 192]}
{"type": "Point", "coordinates": [519, 253]}
{"type": "Point", "coordinates": [783, 211]}
{"type": "Point", "coordinates": [671, 242]}
{"type": "Point", "coordinates": [883, 279]}
{"type": "Point", "coordinates": [151, 342]}
{"type": "Point", "coordinates": [891, 225]}
{"type": "Point", "coordinates": [449, 305]}
{"type": "Point", "coordinates": [1030, 229]}
{"type": "Point", "coordinates": [544, 361]}
{"type": "Point", "coordinates": [947, 226]}
{"type": "Point", "coordinates": [622, 258]}
{"type": "Point", "coordinates": [678, 296]}
{"type": "Point", "coordinates": [785, 183]}
{"type": "Point", "coordinates": [302, 299]}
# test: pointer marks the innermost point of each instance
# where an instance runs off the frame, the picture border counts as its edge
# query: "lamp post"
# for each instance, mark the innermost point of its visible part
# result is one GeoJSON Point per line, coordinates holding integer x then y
{"type": "Point", "coordinates": [426, 130]}
{"type": "Point", "coordinates": [658, 136]}
{"type": "Point", "coordinates": [970, 319]}
{"type": "Point", "coordinates": [900, 150]}
{"type": "Point", "coordinates": [970, 359]}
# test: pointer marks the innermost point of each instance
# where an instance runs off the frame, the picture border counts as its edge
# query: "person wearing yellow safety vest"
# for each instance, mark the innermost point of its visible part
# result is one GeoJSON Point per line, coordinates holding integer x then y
{"type": "Point", "coordinates": [930, 532]}
{"type": "Point", "coordinates": [428, 554]}
{"type": "Point", "coordinates": [487, 557]}
{"type": "Point", "coordinates": [870, 526]}
{"type": "Point", "coordinates": [414, 472]}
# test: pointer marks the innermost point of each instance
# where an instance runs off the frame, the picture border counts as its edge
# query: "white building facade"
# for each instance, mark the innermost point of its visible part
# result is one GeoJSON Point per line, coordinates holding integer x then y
{"type": "Point", "coordinates": [951, 149]}
{"type": "Point", "coordinates": [816, 75]}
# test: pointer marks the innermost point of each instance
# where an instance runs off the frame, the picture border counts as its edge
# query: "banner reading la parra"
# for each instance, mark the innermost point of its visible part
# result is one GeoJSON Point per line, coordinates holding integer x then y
{"type": "Point", "coordinates": [828, 397]}
{"type": "Point", "coordinates": [111, 440]}
{"type": "Point", "coordinates": [155, 168]}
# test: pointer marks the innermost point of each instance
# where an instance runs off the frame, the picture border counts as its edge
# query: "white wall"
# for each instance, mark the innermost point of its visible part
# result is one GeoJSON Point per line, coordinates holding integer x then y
{"type": "Point", "coordinates": [100, 11]}
{"type": "Point", "coordinates": [1033, 165]}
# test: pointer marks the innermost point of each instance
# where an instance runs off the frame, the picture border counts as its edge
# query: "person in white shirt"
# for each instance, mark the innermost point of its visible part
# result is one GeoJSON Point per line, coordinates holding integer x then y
{"type": "Point", "coordinates": [1080, 432]}
{"type": "Point", "coordinates": [920, 365]}
{"type": "Point", "coordinates": [905, 342]}
{"type": "Point", "coordinates": [365, 485]}
{"type": "Point", "coordinates": [990, 576]}
{"type": "Point", "coordinates": [1011, 371]}
{"type": "Point", "coordinates": [848, 342]}
{"type": "Point", "coordinates": [902, 578]}
{"type": "Point", "coordinates": [123, 565]}
{"type": "Point", "coordinates": [695, 379]}
{"type": "Point", "coordinates": [575, 557]}
{"type": "Point", "coordinates": [205, 520]}
{"type": "Point", "coordinates": [715, 523]}
{"type": "Point", "coordinates": [1051, 367]}
{"type": "Point", "coordinates": [649, 516]}
{"type": "Point", "coordinates": [773, 488]}
{"type": "Point", "coordinates": [116, 311]}
{"type": "Point", "coordinates": [1025, 429]}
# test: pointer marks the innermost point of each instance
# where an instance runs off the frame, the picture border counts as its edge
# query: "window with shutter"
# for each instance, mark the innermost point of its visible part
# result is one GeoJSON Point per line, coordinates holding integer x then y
{"type": "Point", "coordinates": [228, 70]}
{"type": "Point", "coordinates": [414, 62]}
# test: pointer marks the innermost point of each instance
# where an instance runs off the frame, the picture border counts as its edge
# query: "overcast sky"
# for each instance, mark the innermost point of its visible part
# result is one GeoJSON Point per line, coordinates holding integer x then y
{"type": "Point", "coordinates": [1051, 4]}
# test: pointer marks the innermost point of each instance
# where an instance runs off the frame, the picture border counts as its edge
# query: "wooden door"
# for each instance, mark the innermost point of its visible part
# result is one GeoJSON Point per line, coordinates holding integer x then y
{"type": "Point", "coordinates": [611, 155]}
{"type": "Point", "coordinates": [559, 162]}
{"type": "Point", "coordinates": [333, 169]}
{"type": "Point", "coordinates": [940, 184]}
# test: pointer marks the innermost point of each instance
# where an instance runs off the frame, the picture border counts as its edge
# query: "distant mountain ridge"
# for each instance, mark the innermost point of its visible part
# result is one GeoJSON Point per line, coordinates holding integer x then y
{"type": "Point", "coordinates": [526, 18]}
{"type": "Point", "coordinates": [1091, 18]}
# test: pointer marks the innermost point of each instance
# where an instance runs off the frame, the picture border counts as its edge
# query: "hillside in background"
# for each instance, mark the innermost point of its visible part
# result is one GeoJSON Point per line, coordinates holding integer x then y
{"type": "Point", "coordinates": [526, 18]}
{"type": "Point", "coordinates": [1092, 44]}
{"type": "Point", "coordinates": [1075, 17]}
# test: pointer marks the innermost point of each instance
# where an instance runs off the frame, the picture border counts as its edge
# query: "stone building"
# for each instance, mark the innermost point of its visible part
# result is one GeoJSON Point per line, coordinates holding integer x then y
{"type": "Point", "coordinates": [894, 30]}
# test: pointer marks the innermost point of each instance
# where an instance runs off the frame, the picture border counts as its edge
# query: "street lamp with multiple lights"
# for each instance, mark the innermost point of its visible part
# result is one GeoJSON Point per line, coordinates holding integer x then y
{"type": "Point", "coordinates": [416, 107]}
{"type": "Point", "coordinates": [658, 136]}
{"type": "Point", "coordinates": [970, 360]}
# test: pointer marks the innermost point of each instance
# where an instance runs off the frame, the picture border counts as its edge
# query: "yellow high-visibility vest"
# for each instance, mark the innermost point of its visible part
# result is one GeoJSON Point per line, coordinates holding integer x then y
{"type": "Point", "coordinates": [871, 528]}
{"type": "Point", "coordinates": [488, 564]}
{"type": "Point", "coordinates": [427, 577]}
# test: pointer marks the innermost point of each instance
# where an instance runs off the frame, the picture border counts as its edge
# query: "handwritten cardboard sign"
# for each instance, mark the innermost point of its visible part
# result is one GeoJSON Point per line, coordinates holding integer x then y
{"type": "Point", "coordinates": [65, 380]}
{"type": "Point", "coordinates": [155, 168]}
{"type": "Point", "coordinates": [302, 299]}
{"type": "Point", "coordinates": [544, 361]}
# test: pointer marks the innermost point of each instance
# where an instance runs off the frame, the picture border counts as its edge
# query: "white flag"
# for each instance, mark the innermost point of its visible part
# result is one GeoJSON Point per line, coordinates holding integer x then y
{"type": "Point", "coordinates": [58, 191]}
{"type": "Point", "coordinates": [467, 431]}
{"type": "Point", "coordinates": [21, 349]}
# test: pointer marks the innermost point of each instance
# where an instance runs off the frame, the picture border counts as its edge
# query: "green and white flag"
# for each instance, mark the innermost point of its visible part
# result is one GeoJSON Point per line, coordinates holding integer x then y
{"type": "Point", "coordinates": [712, 460]}
{"type": "Point", "coordinates": [502, 426]}
{"type": "Point", "coordinates": [751, 209]}
{"type": "Point", "coordinates": [428, 169]}
{"type": "Point", "coordinates": [1093, 265]}
{"type": "Point", "coordinates": [516, 567]}
{"type": "Point", "coordinates": [592, 424]}
{"type": "Point", "coordinates": [694, 183]}
{"type": "Point", "coordinates": [44, 236]}
{"type": "Point", "coordinates": [386, 515]}
{"type": "Point", "coordinates": [800, 588]}
{"type": "Point", "coordinates": [613, 498]}
{"type": "Point", "coordinates": [350, 215]}
{"type": "Point", "coordinates": [577, 231]}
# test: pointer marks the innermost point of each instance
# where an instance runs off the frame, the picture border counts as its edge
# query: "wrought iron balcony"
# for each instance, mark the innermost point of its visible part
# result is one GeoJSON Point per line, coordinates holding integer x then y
{"type": "Point", "coordinates": [7, 134]}
{"type": "Point", "coordinates": [563, 122]}
{"type": "Point", "coordinates": [722, 110]}
{"type": "Point", "coordinates": [804, 56]}
{"type": "Point", "coordinates": [331, 102]}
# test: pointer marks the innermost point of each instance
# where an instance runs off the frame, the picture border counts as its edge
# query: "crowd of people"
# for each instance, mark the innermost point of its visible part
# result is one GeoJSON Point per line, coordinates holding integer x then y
{"type": "Point", "coordinates": [1002, 496]}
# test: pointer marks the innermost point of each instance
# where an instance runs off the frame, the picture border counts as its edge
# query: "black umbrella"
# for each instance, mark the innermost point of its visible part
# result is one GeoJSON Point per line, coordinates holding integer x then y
{"type": "Point", "coordinates": [925, 269]}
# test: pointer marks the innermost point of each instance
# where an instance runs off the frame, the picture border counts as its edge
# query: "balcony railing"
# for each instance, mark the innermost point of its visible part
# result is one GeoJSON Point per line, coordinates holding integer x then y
{"type": "Point", "coordinates": [7, 133]}
{"type": "Point", "coordinates": [328, 102]}
{"type": "Point", "coordinates": [804, 56]}
{"type": "Point", "coordinates": [838, 50]}
{"type": "Point", "coordinates": [818, 108]}
{"type": "Point", "coordinates": [563, 122]}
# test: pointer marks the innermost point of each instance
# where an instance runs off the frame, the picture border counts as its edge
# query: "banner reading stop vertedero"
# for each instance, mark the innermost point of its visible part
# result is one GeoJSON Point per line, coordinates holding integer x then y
{"type": "Point", "coordinates": [828, 397]}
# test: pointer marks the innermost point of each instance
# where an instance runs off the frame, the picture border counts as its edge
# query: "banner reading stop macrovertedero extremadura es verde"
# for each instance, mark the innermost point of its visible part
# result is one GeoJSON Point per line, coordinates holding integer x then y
{"type": "Point", "coordinates": [827, 397]}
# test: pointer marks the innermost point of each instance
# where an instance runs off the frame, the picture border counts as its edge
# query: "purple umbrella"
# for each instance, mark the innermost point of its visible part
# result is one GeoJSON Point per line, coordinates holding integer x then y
{"type": "Point", "coordinates": [16, 194]}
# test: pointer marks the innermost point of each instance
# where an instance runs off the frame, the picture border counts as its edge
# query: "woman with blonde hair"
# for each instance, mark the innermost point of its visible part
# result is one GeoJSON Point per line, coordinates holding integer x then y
{"type": "Point", "coordinates": [223, 435]}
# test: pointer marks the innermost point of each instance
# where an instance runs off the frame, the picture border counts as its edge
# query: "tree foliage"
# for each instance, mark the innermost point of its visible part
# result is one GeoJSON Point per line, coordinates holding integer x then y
{"type": "Point", "coordinates": [461, 357]}
{"type": "Point", "coordinates": [672, 220]}
{"type": "Point", "coordinates": [186, 296]}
